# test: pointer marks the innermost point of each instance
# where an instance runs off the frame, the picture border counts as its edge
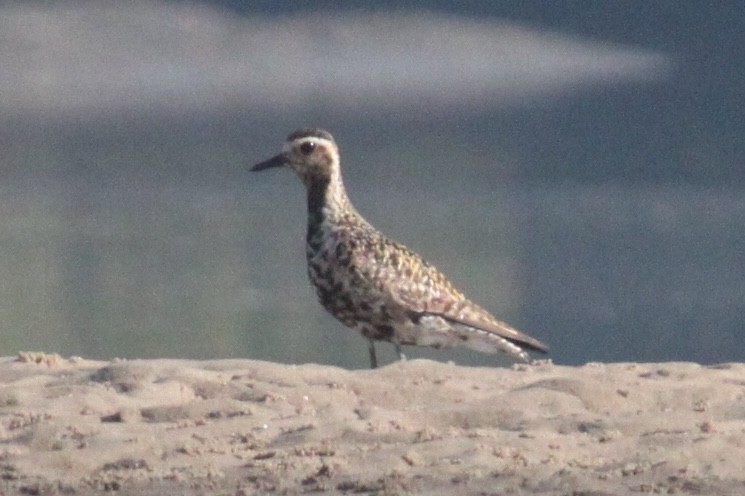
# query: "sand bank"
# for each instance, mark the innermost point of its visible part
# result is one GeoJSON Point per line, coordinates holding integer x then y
{"type": "Point", "coordinates": [235, 427]}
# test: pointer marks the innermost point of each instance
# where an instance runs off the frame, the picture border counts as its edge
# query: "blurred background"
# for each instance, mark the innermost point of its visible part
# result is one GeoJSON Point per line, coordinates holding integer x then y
{"type": "Point", "coordinates": [575, 167]}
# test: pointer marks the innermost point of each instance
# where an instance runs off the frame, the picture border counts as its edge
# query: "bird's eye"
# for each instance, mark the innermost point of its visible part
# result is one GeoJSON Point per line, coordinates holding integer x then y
{"type": "Point", "coordinates": [307, 147]}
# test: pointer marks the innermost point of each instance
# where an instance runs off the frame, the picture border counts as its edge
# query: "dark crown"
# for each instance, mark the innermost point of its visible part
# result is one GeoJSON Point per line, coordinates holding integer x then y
{"type": "Point", "coordinates": [310, 133]}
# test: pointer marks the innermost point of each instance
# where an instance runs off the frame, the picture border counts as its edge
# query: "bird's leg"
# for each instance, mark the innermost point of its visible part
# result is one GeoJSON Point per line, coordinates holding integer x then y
{"type": "Point", "coordinates": [400, 353]}
{"type": "Point", "coordinates": [373, 358]}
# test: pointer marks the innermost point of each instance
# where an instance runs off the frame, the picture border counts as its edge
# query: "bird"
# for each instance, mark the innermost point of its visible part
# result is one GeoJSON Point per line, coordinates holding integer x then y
{"type": "Point", "coordinates": [374, 285]}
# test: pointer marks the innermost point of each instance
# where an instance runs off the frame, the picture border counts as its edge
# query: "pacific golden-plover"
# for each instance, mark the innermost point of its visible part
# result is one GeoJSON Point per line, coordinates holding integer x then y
{"type": "Point", "coordinates": [373, 284]}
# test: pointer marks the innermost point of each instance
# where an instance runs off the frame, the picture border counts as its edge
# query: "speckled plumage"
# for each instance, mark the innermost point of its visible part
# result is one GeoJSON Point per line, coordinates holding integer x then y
{"type": "Point", "coordinates": [373, 284]}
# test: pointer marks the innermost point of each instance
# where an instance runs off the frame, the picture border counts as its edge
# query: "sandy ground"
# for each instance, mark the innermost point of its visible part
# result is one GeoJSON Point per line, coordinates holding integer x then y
{"type": "Point", "coordinates": [235, 427]}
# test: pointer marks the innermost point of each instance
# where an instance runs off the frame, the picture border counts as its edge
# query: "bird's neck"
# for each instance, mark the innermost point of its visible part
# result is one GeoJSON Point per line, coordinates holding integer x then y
{"type": "Point", "coordinates": [328, 204]}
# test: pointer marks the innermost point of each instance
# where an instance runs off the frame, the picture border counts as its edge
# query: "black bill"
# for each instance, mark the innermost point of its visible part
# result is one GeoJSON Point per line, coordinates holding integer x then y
{"type": "Point", "coordinates": [276, 161]}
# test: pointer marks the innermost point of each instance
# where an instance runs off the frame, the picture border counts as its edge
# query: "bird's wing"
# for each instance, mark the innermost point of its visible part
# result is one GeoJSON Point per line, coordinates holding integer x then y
{"type": "Point", "coordinates": [412, 282]}
{"type": "Point", "coordinates": [500, 329]}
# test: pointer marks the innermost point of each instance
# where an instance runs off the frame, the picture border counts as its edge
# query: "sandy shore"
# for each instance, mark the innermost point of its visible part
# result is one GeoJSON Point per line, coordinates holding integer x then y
{"type": "Point", "coordinates": [235, 427]}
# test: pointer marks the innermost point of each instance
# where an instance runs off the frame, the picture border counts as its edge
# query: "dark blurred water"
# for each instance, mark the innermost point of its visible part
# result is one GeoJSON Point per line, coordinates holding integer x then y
{"type": "Point", "coordinates": [135, 243]}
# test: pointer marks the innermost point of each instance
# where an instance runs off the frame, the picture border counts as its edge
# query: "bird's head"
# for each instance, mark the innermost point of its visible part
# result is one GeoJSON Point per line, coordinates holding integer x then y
{"type": "Point", "coordinates": [311, 153]}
